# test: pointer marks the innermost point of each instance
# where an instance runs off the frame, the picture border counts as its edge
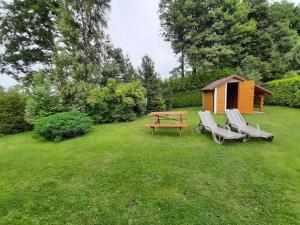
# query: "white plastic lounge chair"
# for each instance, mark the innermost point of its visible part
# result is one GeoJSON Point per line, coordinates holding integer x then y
{"type": "Point", "coordinates": [219, 133]}
{"type": "Point", "coordinates": [236, 120]}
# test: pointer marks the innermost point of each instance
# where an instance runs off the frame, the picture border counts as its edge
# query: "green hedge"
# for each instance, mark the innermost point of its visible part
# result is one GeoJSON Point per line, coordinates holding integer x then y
{"type": "Point", "coordinates": [198, 81]}
{"type": "Point", "coordinates": [62, 126]}
{"type": "Point", "coordinates": [286, 92]}
{"type": "Point", "coordinates": [187, 99]}
{"type": "Point", "coordinates": [12, 112]}
{"type": "Point", "coordinates": [186, 91]}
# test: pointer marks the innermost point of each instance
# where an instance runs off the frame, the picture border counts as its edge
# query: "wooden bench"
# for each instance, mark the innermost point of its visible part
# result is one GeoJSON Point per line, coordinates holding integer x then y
{"type": "Point", "coordinates": [178, 125]}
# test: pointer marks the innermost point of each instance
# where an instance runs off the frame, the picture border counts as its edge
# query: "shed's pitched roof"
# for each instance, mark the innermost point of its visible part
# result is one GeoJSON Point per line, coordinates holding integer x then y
{"type": "Point", "coordinates": [217, 83]}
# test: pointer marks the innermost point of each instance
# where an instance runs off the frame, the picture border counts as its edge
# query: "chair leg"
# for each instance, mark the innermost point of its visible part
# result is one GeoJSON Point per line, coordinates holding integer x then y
{"type": "Point", "coordinates": [221, 140]}
{"type": "Point", "coordinates": [247, 137]}
{"type": "Point", "coordinates": [200, 129]}
{"type": "Point", "coordinates": [180, 131]}
{"type": "Point", "coordinates": [218, 139]}
{"type": "Point", "coordinates": [152, 131]}
{"type": "Point", "coordinates": [270, 139]}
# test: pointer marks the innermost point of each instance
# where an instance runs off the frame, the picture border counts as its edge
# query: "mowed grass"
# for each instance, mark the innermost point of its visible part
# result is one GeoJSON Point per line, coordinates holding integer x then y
{"type": "Point", "coordinates": [121, 174]}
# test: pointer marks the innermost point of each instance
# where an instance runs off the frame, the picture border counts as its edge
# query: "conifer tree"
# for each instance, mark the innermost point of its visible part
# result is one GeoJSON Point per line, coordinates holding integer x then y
{"type": "Point", "coordinates": [152, 83]}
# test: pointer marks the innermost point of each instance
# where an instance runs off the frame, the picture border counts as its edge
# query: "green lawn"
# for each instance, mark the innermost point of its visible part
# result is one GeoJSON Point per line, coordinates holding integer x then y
{"type": "Point", "coordinates": [120, 174]}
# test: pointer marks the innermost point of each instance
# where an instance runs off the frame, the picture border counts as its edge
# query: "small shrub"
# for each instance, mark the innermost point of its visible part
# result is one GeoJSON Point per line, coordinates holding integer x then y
{"type": "Point", "coordinates": [12, 112]}
{"type": "Point", "coordinates": [187, 99]}
{"type": "Point", "coordinates": [286, 92]}
{"type": "Point", "coordinates": [62, 126]}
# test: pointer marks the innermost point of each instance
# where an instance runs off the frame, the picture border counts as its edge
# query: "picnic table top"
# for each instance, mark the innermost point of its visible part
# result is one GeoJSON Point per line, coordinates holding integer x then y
{"type": "Point", "coordinates": [168, 113]}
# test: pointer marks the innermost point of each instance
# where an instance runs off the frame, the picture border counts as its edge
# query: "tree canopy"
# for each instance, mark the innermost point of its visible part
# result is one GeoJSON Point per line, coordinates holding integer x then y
{"type": "Point", "coordinates": [64, 38]}
{"type": "Point", "coordinates": [259, 37]}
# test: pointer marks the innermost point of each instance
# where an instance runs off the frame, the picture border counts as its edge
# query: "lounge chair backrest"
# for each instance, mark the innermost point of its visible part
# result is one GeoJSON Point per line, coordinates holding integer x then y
{"type": "Point", "coordinates": [207, 120]}
{"type": "Point", "coordinates": [235, 118]}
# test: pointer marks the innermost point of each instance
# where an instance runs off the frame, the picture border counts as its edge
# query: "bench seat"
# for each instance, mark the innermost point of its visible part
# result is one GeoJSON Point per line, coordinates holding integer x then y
{"type": "Point", "coordinates": [178, 125]}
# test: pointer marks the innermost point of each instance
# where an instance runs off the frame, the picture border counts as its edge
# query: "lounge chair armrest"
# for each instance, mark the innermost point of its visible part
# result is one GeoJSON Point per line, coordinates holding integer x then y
{"type": "Point", "coordinates": [255, 124]}
{"type": "Point", "coordinates": [225, 126]}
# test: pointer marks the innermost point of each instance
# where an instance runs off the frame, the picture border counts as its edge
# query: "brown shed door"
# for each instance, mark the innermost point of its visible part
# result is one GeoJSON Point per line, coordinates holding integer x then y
{"type": "Point", "coordinates": [208, 101]}
{"type": "Point", "coordinates": [246, 97]}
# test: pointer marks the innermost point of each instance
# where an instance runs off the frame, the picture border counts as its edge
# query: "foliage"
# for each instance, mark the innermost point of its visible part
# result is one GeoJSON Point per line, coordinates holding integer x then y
{"type": "Point", "coordinates": [293, 57]}
{"type": "Point", "coordinates": [116, 102]}
{"type": "Point", "coordinates": [291, 73]}
{"type": "Point", "coordinates": [118, 66]}
{"type": "Point", "coordinates": [74, 95]}
{"type": "Point", "coordinates": [12, 112]}
{"type": "Point", "coordinates": [167, 94]}
{"type": "Point", "coordinates": [68, 43]}
{"type": "Point", "coordinates": [198, 81]}
{"type": "Point", "coordinates": [81, 43]}
{"type": "Point", "coordinates": [286, 92]}
{"type": "Point", "coordinates": [187, 98]}
{"type": "Point", "coordinates": [254, 32]}
{"type": "Point", "coordinates": [152, 84]}
{"type": "Point", "coordinates": [43, 100]}
{"type": "Point", "coordinates": [176, 28]}
{"type": "Point", "coordinates": [26, 31]}
{"type": "Point", "coordinates": [62, 126]}
{"type": "Point", "coordinates": [253, 68]}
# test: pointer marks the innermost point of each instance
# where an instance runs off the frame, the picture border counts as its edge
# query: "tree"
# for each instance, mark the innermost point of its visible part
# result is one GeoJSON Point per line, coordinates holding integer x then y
{"type": "Point", "coordinates": [175, 21]}
{"type": "Point", "coordinates": [293, 57]}
{"type": "Point", "coordinates": [274, 37]}
{"type": "Point", "coordinates": [151, 82]}
{"type": "Point", "coordinates": [253, 68]}
{"type": "Point", "coordinates": [224, 33]}
{"type": "Point", "coordinates": [43, 99]}
{"type": "Point", "coordinates": [117, 65]}
{"type": "Point", "coordinates": [81, 43]}
{"type": "Point", "coordinates": [27, 35]}
{"type": "Point", "coordinates": [167, 94]}
{"type": "Point", "coordinates": [209, 37]}
{"type": "Point", "coordinates": [64, 37]}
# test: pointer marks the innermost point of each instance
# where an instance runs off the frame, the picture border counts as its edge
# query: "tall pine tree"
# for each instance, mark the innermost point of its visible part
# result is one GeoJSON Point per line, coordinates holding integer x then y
{"type": "Point", "coordinates": [152, 83]}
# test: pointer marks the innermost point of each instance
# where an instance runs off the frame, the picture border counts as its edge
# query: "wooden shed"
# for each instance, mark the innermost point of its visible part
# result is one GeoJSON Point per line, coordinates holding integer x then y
{"type": "Point", "coordinates": [234, 92]}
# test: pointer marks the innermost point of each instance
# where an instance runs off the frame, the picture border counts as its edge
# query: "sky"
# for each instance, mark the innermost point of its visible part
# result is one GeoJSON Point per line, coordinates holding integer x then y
{"type": "Point", "coordinates": [134, 26]}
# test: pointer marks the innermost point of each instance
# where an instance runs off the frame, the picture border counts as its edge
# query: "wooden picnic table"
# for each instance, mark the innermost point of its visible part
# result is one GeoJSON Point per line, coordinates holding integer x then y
{"type": "Point", "coordinates": [168, 116]}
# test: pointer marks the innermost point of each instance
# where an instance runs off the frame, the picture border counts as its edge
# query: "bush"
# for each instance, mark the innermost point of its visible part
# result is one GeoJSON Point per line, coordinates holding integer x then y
{"type": "Point", "coordinates": [116, 102]}
{"type": "Point", "coordinates": [187, 99]}
{"type": "Point", "coordinates": [12, 112]}
{"type": "Point", "coordinates": [62, 125]}
{"type": "Point", "coordinates": [286, 92]}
